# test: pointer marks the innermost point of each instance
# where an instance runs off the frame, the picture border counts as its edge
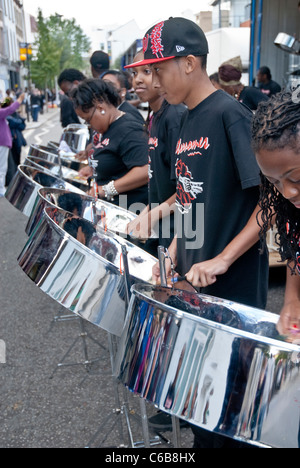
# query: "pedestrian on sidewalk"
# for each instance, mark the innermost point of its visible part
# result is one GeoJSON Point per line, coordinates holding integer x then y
{"type": "Point", "coordinates": [8, 107]}
{"type": "Point", "coordinates": [17, 126]}
{"type": "Point", "coordinates": [35, 104]}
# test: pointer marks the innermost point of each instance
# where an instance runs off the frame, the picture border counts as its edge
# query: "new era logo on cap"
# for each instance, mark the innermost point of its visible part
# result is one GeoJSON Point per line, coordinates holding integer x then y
{"type": "Point", "coordinates": [180, 48]}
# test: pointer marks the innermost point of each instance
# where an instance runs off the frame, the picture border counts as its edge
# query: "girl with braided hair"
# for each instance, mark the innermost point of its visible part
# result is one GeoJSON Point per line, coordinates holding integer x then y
{"type": "Point", "coordinates": [276, 142]}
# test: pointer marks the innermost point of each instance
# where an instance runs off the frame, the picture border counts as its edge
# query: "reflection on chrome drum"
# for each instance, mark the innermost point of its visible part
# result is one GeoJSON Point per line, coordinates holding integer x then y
{"type": "Point", "coordinates": [62, 172]}
{"type": "Point", "coordinates": [76, 136]}
{"type": "Point", "coordinates": [219, 365]}
{"type": "Point", "coordinates": [24, 187]}
{"type": "Point", "coordinates": [55, 156]}
{"type": "Point", "coordinates": [110, 217]}
{"type": "Point", "coordinates": [81, 267]}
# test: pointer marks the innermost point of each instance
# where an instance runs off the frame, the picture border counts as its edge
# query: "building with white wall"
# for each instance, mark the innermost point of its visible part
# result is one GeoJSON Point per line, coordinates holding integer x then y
{"type": "Point", "coordinates": [12, 32]}
{"type": "Point", "coordinates": [115, 39]}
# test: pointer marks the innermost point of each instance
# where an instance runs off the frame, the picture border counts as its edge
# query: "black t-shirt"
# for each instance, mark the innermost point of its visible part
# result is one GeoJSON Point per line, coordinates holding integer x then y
{"type": "Point", "coordinates": [123, 147]}
{"type": "Point", "coordinates": [130, 109]}
{"type": "Point", "coordinates": [269, 88]}
{"type": "Point", "coordinates": [217, 192]}
{"type": "Point", "coordinates": [251, 97]}
{"type": "Point", "coordinates": [162, 143]}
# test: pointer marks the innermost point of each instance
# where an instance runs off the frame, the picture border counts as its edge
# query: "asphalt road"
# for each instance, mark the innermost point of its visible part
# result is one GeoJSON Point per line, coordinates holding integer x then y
{"type": "Point", "coordinates": [37, 411]}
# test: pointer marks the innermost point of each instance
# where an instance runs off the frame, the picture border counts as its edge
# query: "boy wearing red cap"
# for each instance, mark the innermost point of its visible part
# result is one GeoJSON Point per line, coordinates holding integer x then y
{"type": "Point", "coordinates": [218, 179]}
{"type": "Point", "coordinates": [215, 168]}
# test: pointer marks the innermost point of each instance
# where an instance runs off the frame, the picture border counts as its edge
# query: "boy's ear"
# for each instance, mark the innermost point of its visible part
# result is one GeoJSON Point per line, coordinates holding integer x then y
{"type": "Point", "coordinates": [191, 63]}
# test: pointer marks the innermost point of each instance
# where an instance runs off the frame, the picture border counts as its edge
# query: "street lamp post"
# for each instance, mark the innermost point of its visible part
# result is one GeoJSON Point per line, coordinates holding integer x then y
{"type": "Point", "coordinates": [25, 57]}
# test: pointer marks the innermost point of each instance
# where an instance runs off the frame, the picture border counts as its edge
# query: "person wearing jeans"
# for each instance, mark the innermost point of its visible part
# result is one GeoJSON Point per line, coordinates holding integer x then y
{"type": "Point", "coordinates": [6, 108]}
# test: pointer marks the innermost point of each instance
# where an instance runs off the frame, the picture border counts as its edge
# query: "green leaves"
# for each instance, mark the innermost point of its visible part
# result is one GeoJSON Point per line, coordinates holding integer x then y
{"type": "Point", "coordinates": [60, 44]}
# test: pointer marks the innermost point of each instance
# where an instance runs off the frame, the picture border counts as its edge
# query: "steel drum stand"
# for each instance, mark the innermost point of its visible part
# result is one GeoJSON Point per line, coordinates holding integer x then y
{"type": "Point", "coordinates": [61, 317]}
{"type": "Point", "coordinates": [123, 409]}
{"type": "Point", "coordinates": [163, 255]}
{"type": "Point", "coordinates": [82, 337]}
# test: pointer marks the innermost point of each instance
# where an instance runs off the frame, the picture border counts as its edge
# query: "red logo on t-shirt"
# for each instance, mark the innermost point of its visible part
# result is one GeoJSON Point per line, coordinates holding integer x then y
{"type": "Point", "coordinates": [153, 141]}
{"type": "Point", "coordinates": [187, 190]}
{"type": "Point", "coordinates": [192, 146]}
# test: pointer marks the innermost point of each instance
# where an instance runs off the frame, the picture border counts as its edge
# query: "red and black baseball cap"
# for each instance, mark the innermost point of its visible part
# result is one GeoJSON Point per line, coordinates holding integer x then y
{"type": "Point", "coordinates": [175, 37]}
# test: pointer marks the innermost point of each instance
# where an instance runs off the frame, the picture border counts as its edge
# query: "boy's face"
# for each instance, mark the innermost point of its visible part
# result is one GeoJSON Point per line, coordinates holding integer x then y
{"type": "Point", "coordinates": [169, 79]}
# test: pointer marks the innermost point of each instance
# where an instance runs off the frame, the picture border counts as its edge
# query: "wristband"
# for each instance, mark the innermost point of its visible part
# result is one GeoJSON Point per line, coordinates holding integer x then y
{"type": "Point", "coordinates": [110, 191]}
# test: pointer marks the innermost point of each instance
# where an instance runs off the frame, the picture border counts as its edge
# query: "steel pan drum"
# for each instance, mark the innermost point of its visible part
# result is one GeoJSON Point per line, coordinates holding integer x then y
{"type": "Point", "coordinates": [51, 155]}
{"type": "Point", "coordinates": [216, 364]}
{"type": "Point", "coordinates": [24, 187]}
{"type": "Point", "coordinates": [107, 215]}
{"type": "Point", "coordinates": [287, 43]}
{"type": "Point", "coordinates": [80, 267]}
{"type": "Point", "coordinates": [53, 145]}
{"type": "Point", "coordinates": [76, 136]}
{"type": "Point", "coordinates": [65, 173]}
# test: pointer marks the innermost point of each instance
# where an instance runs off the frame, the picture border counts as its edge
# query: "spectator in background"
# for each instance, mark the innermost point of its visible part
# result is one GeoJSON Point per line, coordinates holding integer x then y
{"type": "Point", "coordinates": [99, 63]}
{"type": "Point", "coordinates": [7, 108]}
{"type": "Point", "coordinates": [230, 74]}
{"type": "Point", "coordinates": [68, 80]}
{"type": "Point", "coordinates": [35, 99]}
{"type": "Point", "coordinates": [17, 125]}
{"type": "Point", "coordinates": [27, 103]}
{"type": "Point", "coordinates": [214, 78]}
{"type": "Point", "coordinates": [265, 83]}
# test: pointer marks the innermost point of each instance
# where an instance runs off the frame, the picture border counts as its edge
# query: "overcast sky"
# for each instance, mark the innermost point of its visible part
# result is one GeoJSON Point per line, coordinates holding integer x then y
{"type": "Point", "coordinates": [92, 14]}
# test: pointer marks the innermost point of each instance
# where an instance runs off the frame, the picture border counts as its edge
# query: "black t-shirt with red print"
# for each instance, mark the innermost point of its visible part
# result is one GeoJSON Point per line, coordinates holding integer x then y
{"type": "Point", "coordinates": [217, 191]}
{"type": "Point", "coordinates": [121, 148]}
{"type": "Point", "coordinates": [163, 136]}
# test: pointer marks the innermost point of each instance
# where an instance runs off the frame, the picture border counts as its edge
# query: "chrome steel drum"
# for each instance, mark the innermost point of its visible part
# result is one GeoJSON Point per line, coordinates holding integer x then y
{"type": "Point", "coordinates": [24, 187]}
{"type": "Point", "coordinates": [69, 175]}
{"type": "Point", "coordinates": [108, 216]}
{"type": "Point", "coordinates": [45, 152]}
{"type": "Point", "coordinates": [55, 156]}
{"type": "Point", "coordinates": [81, 267]}
{"type": "Point", "coordinates": [287, 43]}
{"type": "Point", "coordinates": [76, 136]}
{"type": "Point", "coordinates": [219, 365]}
{"type": "Point", "coordinates": [53, 145]}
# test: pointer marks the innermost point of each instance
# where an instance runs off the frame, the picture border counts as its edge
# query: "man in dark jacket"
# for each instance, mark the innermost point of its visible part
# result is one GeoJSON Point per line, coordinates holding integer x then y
{"type": "Point", "coordinates": [68, 80]}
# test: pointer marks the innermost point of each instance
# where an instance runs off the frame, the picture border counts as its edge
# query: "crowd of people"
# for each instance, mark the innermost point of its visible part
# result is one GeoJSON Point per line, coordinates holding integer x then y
{"type": "Point", "coordinates": [17, 108]}
{"type": "Point", "coordinates": [215, 164]}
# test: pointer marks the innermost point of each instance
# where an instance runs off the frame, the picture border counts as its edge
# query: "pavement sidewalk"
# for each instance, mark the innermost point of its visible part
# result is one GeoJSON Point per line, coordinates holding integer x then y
{"type": "Point", "coordinates": [48, 114]}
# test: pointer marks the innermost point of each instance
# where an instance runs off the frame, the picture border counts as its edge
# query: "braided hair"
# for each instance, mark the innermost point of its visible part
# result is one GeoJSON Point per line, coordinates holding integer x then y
{"type": "Point", "coordinates": [276, 125]}
{"type": "Point", "coordinates": [91, 91]}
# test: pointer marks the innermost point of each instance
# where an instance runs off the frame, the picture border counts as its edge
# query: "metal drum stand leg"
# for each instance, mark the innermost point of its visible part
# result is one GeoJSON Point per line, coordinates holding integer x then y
{"type": "Point", "coordinates": [163, 255]}
{"type": "Point", "coordinates": [122, 409]}
{"type": "Point", "coordinates": [82, 337]}
{"type": "Point", "coordinates": [62, 317]}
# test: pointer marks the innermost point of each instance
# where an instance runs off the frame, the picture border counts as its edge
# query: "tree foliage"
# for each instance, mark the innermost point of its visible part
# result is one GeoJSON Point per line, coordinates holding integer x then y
{"type": "Point", "coordinates": [60, 44]}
